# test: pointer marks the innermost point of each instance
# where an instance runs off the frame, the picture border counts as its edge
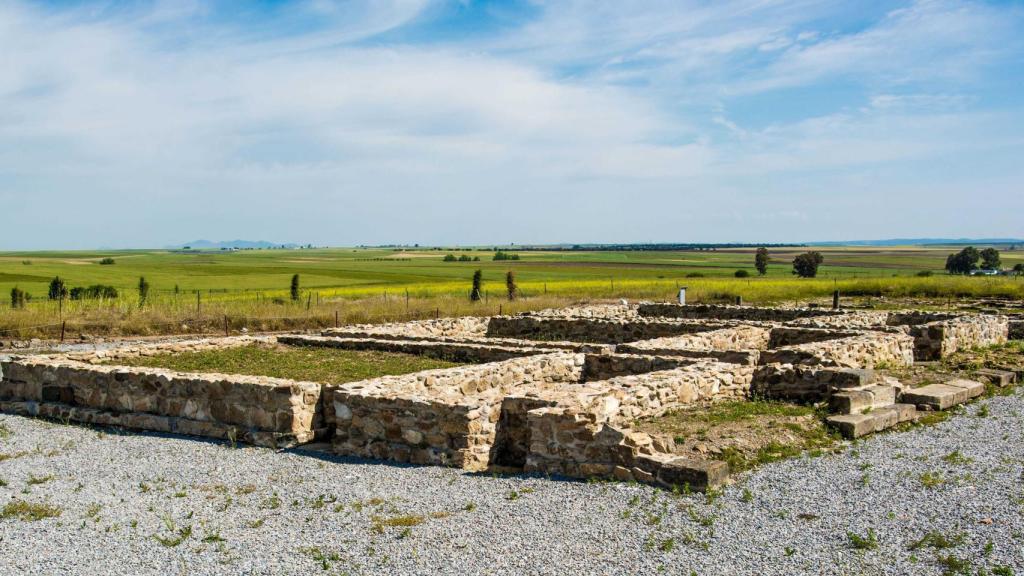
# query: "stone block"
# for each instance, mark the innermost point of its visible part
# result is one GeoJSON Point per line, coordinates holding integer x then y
{"type": "Point", "coordinates": [698, 474]}
{"type": "Point", "coordinates": [936, 396]}
{"type": "Point", "coordinates": [1000, 378]}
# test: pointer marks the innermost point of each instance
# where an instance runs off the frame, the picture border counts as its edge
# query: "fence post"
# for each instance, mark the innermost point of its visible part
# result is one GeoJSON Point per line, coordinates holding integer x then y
{"type": "Point", "coordinates": [226, 325]}
{"type": "Point", "coordinates": [835, 300]}
{"type": "Point", "coordinates": [198, 298]}
{"type": "Point", "coordinates": [335, 318]}
{"type": "Point", "coordinates": [437, 313]}
{"type": "Point", "coordinates": [309, 300]}
{"type": "Point", "coordinates": [63, 325]}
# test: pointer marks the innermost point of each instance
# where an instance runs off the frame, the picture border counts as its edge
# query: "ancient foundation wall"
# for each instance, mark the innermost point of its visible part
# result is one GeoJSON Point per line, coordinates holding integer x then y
{"type": "Point", "coordinates": [936, 340]}
{"type": "Point", "coordinates": [451, 351]}
{"type": "Point", "coordinates": [1015, 330]}
{"type": "Point", "coordinates": [257, 410]}
{"type": "Point", "coordinates": [725, 312]}
{"type": "Point", "coordinates": [464, 327]}
{"type": "Point", "coordinates": [586, 330]}
{"type": "Point", "coordinates": [724, 339]}
{"type": "Point", "coordinates": [864, 351]}
{"type": "Point", "coordinates": [806, 383]}
{"type": "Point", "coordinates": [792, 336]}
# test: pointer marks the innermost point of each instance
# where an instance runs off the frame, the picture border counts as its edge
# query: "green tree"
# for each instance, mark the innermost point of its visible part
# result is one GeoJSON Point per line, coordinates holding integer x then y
{"type": "Point", "coordinates": [806, 264]}
{"type": "Point", "coordinates": [990, 259]}
{"type": "Point", "coordinates": [510, 285]}
{"type": "Point", "coordinates": [761, 261]}
{"type": "Point", "coordinates": [143, 291]}
{"type": "Point", "coordinates": [963, 262]}
{"type": "Point", "coordinates": [450, 258]}
{"type": "Point", "coordinates": [295, 287]}
{"type": "Point", "coordinates": [478, 284]}
{"type": "Point", "coordinates": [1018, 269]}
{"type": "Point", "coordinates": [57, 291]}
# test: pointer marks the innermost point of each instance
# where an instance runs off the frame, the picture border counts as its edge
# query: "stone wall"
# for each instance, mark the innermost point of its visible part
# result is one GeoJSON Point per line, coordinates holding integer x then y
{"type": "Point", "coordinates": [588, 330]}
{"type": "Point", "coordinates": [864, 351]}
{"type": "Point", "coordinates": [464, 327]}
{"type": "Point", "coordinates": [850, 320]}
{"type": "Point", "coordinates": [724, 339]}
{"type": "Point", "coordinates": [939, 339]}
{"type": "Point", "coordinates": [792, 336]}
{"type": "Point", "coordinates": [726, 312]}
{"type": "Point", "coordinates": [444, 416]}
{"type": "Point", "coordinates": [442, 350]}
{"type": "Point", "coordinates": [606, 366]}
{"type": "Point", "coordinates": [258, 410]}
{"type": "Point", "coordinates": [799, 383]}
{"type": "Point", "coordinates": [916, 317]}
{"type": "Point", "coordinates": [1015, 329]}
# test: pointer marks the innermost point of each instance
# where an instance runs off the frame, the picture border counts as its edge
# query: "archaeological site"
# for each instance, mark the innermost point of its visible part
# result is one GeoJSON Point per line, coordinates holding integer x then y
{"type": "Point", "coordinates": [554, 392]}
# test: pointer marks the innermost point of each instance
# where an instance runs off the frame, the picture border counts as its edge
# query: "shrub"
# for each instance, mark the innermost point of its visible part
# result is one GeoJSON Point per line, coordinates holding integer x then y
{"type": "Point", "coordinates": [57, 291]}
{"type": "Point", "coordinates": [106, 261]}
{"type": "Point", "coordinates": [449, 258]}
{"type": "Point", "coordinates": [510, 285]}
{"type": "Point", "coordinates": [694, 275]}
{"type": "Point", "coordinates": [478, 283]}
{"type": "Point", "coordinates": [924, 274]}
{"type": "Point", "coordinates": [500, 255]}
{"type": "Point", "coordinates": [742, 274]}
{"type": "Point", "coordinates": [92, 292]}
{"type": "Point", "coordinates": [465, 258]}
{"type": "Point", "coordinates": [18, 297]}
{"type": "Point", "coordinates": [806, 264]}
{"type": "Point", "coordinates": [143, 290]}
{"type": "Point", "coordinates": [761, 261]}
{"type": "Point", "coordinates": [295, 287]}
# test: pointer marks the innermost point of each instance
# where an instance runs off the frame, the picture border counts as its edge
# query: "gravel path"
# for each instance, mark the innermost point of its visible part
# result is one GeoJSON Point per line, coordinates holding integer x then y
{"type": "Point", "coordinates": [128, 501]}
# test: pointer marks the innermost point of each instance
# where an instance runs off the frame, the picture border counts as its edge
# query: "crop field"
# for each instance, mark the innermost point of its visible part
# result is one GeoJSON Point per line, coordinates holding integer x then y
{"type": "Point", "coordinates": [195, 291]}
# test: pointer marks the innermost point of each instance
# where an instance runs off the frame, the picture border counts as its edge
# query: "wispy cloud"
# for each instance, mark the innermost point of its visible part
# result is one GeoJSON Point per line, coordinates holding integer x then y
{"type": "Point", "coordinates": [352, 122]}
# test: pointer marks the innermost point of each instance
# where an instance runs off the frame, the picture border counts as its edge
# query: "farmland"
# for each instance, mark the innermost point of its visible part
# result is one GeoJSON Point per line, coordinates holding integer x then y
{"type": "Point", "coordinates": [194, 291]}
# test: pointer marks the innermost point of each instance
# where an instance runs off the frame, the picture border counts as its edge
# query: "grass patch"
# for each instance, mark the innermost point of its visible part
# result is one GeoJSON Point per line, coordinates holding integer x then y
{"type": "Point", "coordinates": [325, 365]}
{"type": "Point", "coordinates": [867, 542]}
{"type": "Point", "coordinates": [937, 540]}
{"type": "Point", "coordinates": [28, 512]}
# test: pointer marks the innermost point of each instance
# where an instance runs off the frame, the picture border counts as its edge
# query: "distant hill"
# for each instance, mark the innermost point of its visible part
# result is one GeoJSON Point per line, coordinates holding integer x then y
{"type": "Point", "coordinates": [240, 244]}
{"type": "Point", "coordinates": [920, 242]}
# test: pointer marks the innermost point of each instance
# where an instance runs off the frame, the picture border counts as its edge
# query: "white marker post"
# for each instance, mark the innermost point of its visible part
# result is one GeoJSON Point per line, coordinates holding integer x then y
{"type": "Point", "coordinates": [682, 295]}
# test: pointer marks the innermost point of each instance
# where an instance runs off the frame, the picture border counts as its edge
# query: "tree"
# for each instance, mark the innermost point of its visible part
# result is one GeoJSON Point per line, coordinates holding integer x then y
{"type": "Point", "coordinates": [806, 264]}
{"type": "Point", "coordinates": [478, 284]}
{"type": "Point", "coordinates": [18, 297]}
{"type": "Point", "coordinates": [57, 291]}
{"type": "Point", "coordinates": [741, 273]}
{"type": "Point", "coordinates": [990, 259]}
{"type": "Point", "coordinates": [450, 258]}
{"type": "Point", "coordinates": [963, 262]}
{"type": "Point", "coordinates": [1018, 269]}
{"type": "Point", "coordinates": [295, 287]}
{"type": "Point", "coordinates": [761, 261]}
{"type": "Point", "coordinates": [143, 291]}
{"type": "Point", "coordinates": [510, 285]}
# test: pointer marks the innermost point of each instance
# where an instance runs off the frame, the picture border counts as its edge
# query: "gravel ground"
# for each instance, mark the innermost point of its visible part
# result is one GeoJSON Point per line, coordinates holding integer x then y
{"type": "Point", "coordinates": [128, 500]}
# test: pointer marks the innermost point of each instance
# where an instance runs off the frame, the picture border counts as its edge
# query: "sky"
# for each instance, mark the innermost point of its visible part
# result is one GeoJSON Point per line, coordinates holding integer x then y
{"type": "Point", "coordinates": [147, 123]}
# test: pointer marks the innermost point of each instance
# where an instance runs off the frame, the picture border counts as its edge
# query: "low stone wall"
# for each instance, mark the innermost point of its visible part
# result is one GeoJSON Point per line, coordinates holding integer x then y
{"type": "Point", "coordinates": [444, 416]}
{"type": "Point", "coordinates": [916, 317]}
{"type": "Point", "coordinates": [726, 312]}
{"type": "Point", "coordinates": [451, 351]}
{"type": "Point", "coordinates": [724, 339]}
{"type": "Point", "coordinates": [464, 327]}
{"type": "Point", "coordinates": [851, 320]}
{"type": "Point", "coordinates": [864, 351]}
{"type": "Point", "coordinates": [157, 348]}
{"type": "Point", "coordinates": [806, 383]}
{"type": "Point", "coordinates": [589, 330]}
{"type": "Point", "coordinates": [1015, 329]}
{"type": "Point", "coordinates": [258, 410]}
{"type": "Point", "coordinates": [936, 340]}
{"type": "Point", "coordinates": [605, 366]}
{"type": "Point", "coordinates": [605, 311]}
{"type": "Point", "coordinates": [792, 336]}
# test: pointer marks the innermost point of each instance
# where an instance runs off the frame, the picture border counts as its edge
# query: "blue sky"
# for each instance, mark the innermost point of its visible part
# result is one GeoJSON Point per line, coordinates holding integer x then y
{"type": "Point", "coordinates": [148, 123]}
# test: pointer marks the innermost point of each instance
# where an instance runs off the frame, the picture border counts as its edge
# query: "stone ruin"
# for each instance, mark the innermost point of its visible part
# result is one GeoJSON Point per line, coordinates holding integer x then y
{"type": "Point", "coordinates": [554, 392]}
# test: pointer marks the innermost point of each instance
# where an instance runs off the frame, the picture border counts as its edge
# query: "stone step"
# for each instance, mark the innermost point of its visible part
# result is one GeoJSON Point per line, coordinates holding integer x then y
{"type": "Point", "coordinates": [857, 401]}
{"type": "Point", "coordinates": [878, 419]}
{"type": "Point", "coordinates": [943, 396]}
{"type": "Point", "coordinates": [1000, 378]}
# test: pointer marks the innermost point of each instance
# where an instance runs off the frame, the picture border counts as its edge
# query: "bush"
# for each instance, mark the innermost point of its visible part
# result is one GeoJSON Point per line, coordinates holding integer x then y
{"type": "Point", "coordinates": [742, 274]}
{"type": "Point", "coordinates": [106, 261]}
{"type": "Point", "coordinates": [694, 275]}
{"type": "Point", "coordinates": [57, 291]}
{"type": "Point", "coordinates": [478, 283]}
{"type": "Point", "coordinates": [18, 297]}
{"type": "Point", "coordinates": [924, 274]}
{"type": "Point", "coordinates": [465, 258]}
{"type": "Point", "coordinates": [500, 255]}
{"type": "Point", "coordinates": [510, 285]}
{"type": "Point", "coordinates": [143, 290]}
{"type": "Point", "coordinates": [449, 258]}
{"type": "Point", "coordinates": [295, 287]}
{"type": "Point", "coordinates": [806, 264]}
{"type": "Point", "coordinates": [92, 292]}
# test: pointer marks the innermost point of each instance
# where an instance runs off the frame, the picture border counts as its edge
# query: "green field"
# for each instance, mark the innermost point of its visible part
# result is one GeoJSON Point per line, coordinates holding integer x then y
{"type": "Point", "coordinates": [193, 291]}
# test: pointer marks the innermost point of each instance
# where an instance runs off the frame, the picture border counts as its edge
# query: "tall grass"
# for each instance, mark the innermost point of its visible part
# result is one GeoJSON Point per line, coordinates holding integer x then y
{"type": "Point", "coordinates": [169, 313]}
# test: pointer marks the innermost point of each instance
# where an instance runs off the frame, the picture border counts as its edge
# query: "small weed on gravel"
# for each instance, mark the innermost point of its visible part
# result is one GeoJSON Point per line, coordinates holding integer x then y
{"type": "Point", "coordinates": [28, 512]}
{"type": "Point", "coordinates": [931, 480]}
{"type": "Point", "coordinates": [955, 457]}
{"type": "Point", "coordinates": [937, 540]}
{"type": "Point", "coordinates": [34, 480]}
{"type": "Point", "coordinates": [867, 542]}
{"type": "Point", "coordinates": [953, 565]}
